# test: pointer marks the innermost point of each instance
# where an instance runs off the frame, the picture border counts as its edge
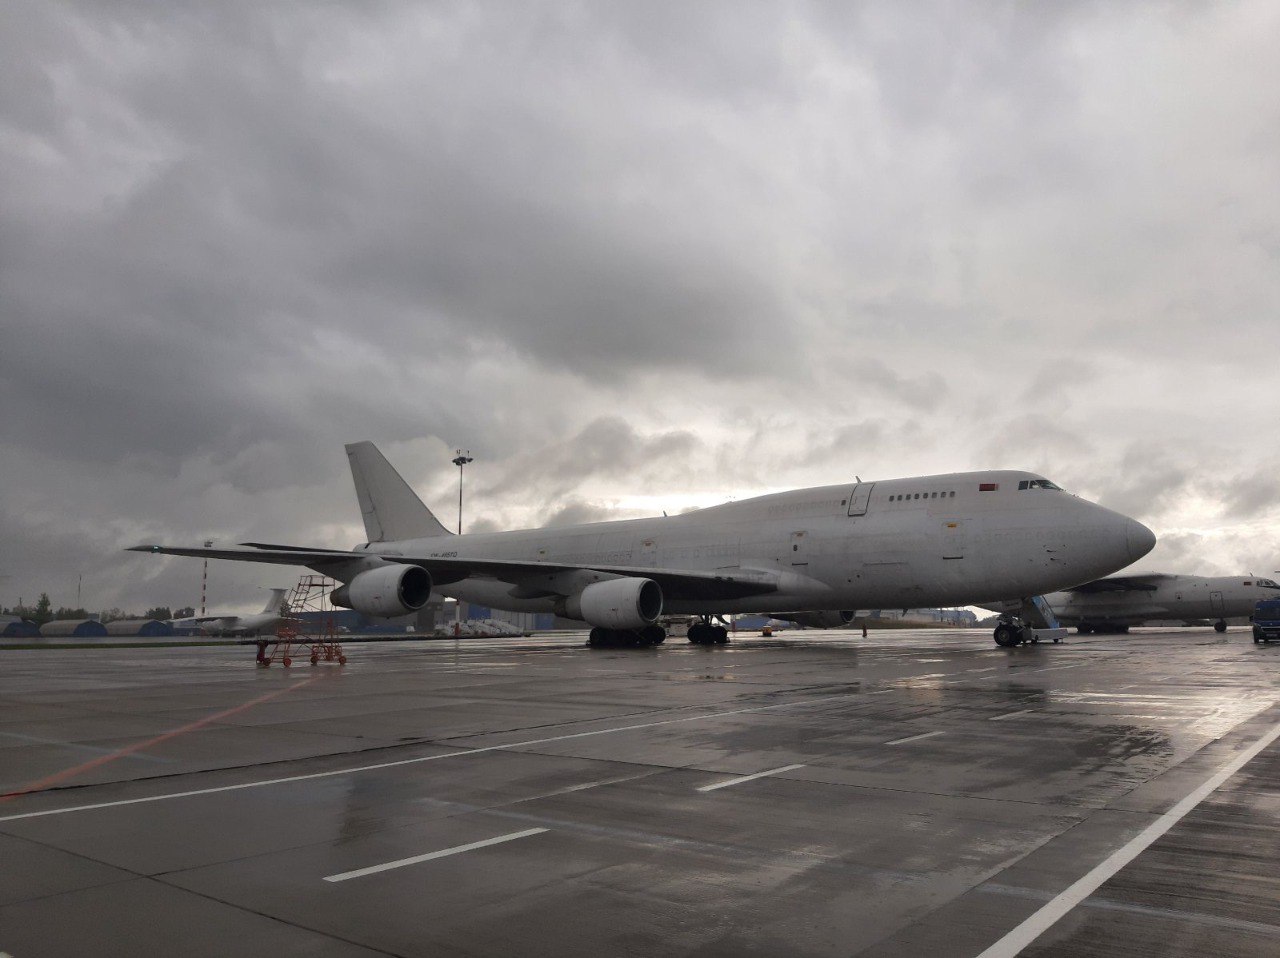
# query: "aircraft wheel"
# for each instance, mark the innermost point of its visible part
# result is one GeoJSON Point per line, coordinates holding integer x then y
{"type": "Point", "coordinates": [654, 634]}
{"type": "Point", "coordinates": [1056, 640]}
{"type": "Point", "coordinates": [596, 637]}
{"type": "Point", "coordinates": [1220, 626]}
{"type": "Point", "coordinates": [720, 635]}
{"type": "Point", "coordinates": [1084, 629]}
{"type": "Point", "coordinates": [698, 633]}
{"type": "Point", "coordinates": [1006, 636]}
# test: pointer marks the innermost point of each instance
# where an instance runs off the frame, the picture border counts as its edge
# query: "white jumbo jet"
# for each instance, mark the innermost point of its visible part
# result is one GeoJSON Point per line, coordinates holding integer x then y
{"type": "Point", "coordinates": [959, 539]}
{"type": "Point", "coordinates": [1117, 602]}
{"type": "Point", "coordinates": [230, 624]}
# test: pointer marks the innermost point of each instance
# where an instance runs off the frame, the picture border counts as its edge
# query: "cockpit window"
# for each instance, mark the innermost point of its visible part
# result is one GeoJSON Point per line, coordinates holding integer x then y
{"type": "Point", "coordinates": [1038, 484]}
{"type": "Point", "coordinates": [1268, 584]}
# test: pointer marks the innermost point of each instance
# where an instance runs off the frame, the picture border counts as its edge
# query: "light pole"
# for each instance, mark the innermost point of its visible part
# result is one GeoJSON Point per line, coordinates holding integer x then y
{"type": "Point", "coordinates": [460, 460]}
{"type": "Point", "coordinates": [204, 579]}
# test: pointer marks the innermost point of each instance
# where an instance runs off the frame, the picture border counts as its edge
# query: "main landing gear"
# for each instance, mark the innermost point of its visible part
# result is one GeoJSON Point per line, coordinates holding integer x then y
{"type": "Point", "coordinates": [704, 633]}
{"type": "Point", "coordinates": [650, 635]}
{"type": "Point", "coordinates": [1220, 626]}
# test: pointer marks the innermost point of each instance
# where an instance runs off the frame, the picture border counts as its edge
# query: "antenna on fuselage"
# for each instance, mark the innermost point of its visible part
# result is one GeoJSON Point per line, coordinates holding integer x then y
{"type": "Point", "coordinates": [857, 478]}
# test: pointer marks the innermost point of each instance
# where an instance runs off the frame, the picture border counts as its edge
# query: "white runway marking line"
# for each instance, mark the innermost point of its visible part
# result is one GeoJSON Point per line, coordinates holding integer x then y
{"type": "Point", "coordinates": [1041, 921]}
{"type": "Point", "coordinates": [443, 853]}
{"type": "Point", "coordinates": [1009, 715]}
{"type": "Point", "coordinates": [462, 753]}
{"type": "Point", "coordinates": [747, 778]}
{"type": "Point", "coordinates": [914, 738]}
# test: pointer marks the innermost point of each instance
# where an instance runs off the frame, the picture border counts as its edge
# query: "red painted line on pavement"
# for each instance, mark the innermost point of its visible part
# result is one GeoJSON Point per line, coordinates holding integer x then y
{"type": "Point", "coordinates": [58, 777]}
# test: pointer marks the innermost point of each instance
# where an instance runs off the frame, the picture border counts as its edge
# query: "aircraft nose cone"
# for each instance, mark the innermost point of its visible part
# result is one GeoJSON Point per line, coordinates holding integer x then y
{"type": "Point", "coordinates": [1139, 539]}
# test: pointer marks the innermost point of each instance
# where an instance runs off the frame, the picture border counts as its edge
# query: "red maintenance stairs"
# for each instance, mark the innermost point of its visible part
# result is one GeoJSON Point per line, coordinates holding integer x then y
{"type": "Point", "coordinates": [313, 634]}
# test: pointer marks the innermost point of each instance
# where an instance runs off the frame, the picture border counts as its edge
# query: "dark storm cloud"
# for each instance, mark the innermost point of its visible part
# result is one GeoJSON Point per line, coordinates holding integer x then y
{"type": "Point", "coordinates": [576, 511]}
{"type": "Point", "coordinates": [243, 224]}
{"type": "Point", "coordinates": [1252, 495]}
{"type": "Point", "coordinates": [608, 448]}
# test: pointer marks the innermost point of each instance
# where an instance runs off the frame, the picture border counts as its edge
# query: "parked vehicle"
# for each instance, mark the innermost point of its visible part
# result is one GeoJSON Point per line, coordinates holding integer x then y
{"type": "Point", "coordinates": [1266, 621]}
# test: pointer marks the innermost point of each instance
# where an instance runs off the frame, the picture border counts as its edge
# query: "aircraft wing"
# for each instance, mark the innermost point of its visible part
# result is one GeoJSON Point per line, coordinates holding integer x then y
{"type": "Point", "coordinates": [733, 583]}
{"type": "Point", "coordinates": [1147, 582]}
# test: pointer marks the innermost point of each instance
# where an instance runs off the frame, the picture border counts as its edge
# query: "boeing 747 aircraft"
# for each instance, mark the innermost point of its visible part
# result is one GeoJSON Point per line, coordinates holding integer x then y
{"type": "Point", "coordinates": [1117, 602]}
{"type": "Point", "coordinates": [959, 539]}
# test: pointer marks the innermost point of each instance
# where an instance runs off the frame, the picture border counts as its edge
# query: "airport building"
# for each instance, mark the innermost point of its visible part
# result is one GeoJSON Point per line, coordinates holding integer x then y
{"type": "Point", "coordinates": [73, 628]}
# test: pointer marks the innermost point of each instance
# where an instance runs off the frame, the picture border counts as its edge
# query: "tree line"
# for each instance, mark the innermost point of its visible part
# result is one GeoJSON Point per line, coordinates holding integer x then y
{"type": "Point", "coordinates": [43, 611]}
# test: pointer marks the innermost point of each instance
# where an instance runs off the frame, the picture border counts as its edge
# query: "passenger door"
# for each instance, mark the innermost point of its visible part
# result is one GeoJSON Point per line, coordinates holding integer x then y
{"type": "Point", "coordinates": [859, 498]}
{"type": "Point", "coordinates": [799, 554]}
{"type": "Point", "coordinates": [953, 539]}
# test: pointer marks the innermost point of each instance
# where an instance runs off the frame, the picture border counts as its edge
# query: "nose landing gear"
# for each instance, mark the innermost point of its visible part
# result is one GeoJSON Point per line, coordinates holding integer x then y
{"type": "Point", "coordinates": [1036, 621]}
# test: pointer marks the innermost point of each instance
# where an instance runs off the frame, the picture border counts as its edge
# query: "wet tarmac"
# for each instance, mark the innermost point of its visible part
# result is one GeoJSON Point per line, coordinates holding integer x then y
{"type": "Point", "coordinates": [912, 793]}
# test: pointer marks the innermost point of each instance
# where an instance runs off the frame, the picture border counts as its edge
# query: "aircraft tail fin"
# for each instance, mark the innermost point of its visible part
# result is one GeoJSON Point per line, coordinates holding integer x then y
{"type": "Point", "coordinates": [390, 508]}
{"type": "Point", "coordinates": [273, 603]}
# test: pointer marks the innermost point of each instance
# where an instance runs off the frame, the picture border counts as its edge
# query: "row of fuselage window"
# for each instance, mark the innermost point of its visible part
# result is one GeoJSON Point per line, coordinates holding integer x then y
{"type": "Point", "coordinates": [922, 495]}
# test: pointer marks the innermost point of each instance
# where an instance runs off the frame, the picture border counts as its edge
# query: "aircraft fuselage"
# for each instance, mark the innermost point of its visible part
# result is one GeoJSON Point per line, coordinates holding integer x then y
{"type": "Point", "coordinates": [955, 539]}
{"type": "Point", "coordinates": [1172, 597]}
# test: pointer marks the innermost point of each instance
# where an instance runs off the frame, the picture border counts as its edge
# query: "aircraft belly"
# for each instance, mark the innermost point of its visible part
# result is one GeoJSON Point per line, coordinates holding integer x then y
{"type": "Point", "coordinates": [496, 595]}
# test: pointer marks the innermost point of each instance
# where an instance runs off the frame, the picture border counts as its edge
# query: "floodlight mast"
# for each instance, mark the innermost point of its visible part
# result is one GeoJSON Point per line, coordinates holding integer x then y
{"type": "Point", "coordinates": [460, 460]}
{"type": "Point", "coordinates": [204, 579]}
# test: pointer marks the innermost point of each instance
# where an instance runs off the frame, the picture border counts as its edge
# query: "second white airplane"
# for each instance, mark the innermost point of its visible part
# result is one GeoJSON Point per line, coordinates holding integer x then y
{"type": "Point", "coordinates": [228, 623]}
{"type": "Point", "coordinates": [1119, 601]}
{"type": "Point", "coordinates": [970, 538]}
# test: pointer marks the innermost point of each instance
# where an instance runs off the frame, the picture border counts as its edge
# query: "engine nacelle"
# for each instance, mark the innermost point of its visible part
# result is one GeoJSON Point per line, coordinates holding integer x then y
{"type": "Point", "coordinates": [617, 603]}
{"type": "Point", "coordinates": [818, 620]}
{"type": "Point", "coordinates": [387, 591]}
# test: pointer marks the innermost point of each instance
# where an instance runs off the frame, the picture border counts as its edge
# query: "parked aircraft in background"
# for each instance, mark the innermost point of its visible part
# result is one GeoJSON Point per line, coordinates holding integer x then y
{"type": "Point", "coordinates": [264, 621]}
{"type": "Point", "coordinates": [958, 539]}
{"type": "Point", "coordinates": [1117, 602]}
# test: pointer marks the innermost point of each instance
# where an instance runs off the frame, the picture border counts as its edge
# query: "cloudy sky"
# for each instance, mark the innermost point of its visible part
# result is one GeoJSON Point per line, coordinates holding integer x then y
{"type": "Point", "coordinates": [634, 257]}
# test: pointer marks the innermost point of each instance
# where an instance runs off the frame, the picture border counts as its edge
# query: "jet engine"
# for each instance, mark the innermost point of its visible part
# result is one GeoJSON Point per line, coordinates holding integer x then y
{"type": "Point", "coordinates": [818, 620]}
{"type": "Point", "coordinates": [386, 591]}
{"type": "Point", "coordinates": [617, 603]}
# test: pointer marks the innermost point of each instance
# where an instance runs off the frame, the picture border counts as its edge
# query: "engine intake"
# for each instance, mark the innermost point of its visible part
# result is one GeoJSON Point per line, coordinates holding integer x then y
{"type": "Point", "coordinates": [617, 603]}
{"type": "Point", "coordinates": [388, 591]}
